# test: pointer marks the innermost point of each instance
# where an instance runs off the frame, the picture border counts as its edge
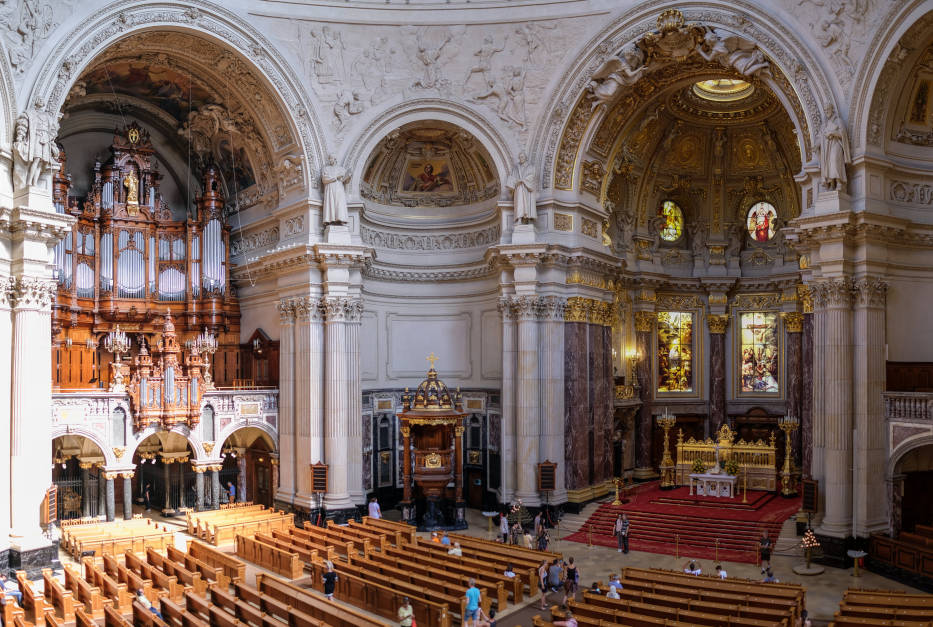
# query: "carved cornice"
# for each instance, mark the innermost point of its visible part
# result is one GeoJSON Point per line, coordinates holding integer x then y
{"type": "Point", "coordinates": [440, 241]}
{"type": "Point", "coordinates": [645, 321]}
{"type": "Point", "coordinates": [430, 276]}
{"type": "Point", "coordinates": [717, 323]}
{"type": "Point", "coordinates": [793, 321]}
{"type": "Point", "coordinates": [678, 302]}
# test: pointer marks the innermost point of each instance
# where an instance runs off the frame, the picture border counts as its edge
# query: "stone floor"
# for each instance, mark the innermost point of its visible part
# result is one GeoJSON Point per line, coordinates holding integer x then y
{"type": "Point", "coordinates": [595, 563]}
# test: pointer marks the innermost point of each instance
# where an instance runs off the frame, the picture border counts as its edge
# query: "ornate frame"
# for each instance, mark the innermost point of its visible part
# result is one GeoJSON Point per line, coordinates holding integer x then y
{"type": "Point", "coordinates": [757, 303]}
{"type": "Point", "coordinates": [685, 303]}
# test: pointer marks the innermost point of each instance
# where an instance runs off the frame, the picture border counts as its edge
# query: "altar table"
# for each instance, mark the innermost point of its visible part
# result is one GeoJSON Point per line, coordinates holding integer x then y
{"type": "Point", "coordinates": [720, 485]}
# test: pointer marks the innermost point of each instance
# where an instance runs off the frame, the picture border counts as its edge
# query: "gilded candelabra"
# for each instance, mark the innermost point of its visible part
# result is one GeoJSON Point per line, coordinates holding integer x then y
{"type": "Point", "coordinates": [666, 421]}
{"type": "Point", "coordinates": [206, 344]}
{"type": "Point", "coordinates": [788, 425]}
{"type": "Point", "coordinates": [117, 342]}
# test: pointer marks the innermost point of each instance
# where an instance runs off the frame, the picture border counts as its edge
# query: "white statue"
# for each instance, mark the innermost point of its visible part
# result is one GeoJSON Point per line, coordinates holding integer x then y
{"type": "Point", "coordinates": [35, 152]}
{"type": "Point", "coordinates": [834, 151]}
{"type": "Point", "coordinates": [522, 184]}
{"type": "Point", "coordinates": [730, 50]}
{"type": "Point", "coordinates": [333, 177]}
{"type": "Point", "coordinates": [624, 69]}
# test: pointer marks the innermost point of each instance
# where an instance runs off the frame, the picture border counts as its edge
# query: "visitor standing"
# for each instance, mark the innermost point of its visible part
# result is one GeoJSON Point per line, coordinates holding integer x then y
{"type": "Point", "coordinates": [764, 546]}
{"type": "Point", "coordinates": [571, 580]}
{"type": "Point", "coordinates": [405, 613]}
{"type": "Point", "coordinates": [374, 510]}
{"type": "Point", "coordinates": [231, 490]}
{"type": "Point", "coordinates": [330, 581]}
{"type": "Point", "coordinates": [472, 603]}
{"type": "Point", "coordinates": [542, 583]}
{"type": "Point", "coordinates": [504, 528]}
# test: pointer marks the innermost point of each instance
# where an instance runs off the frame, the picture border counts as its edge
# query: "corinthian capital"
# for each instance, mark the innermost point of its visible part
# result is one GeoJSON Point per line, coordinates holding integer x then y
{"type": "Point", "coordinates": [871, 292]}
{"type": "Point", "coordinates": [645, 321]}
{"type": "Point", "coordinates": [286, 309]}
{"type": "Point", "coordinates": [551, 308]}
{"type": "Point", "coordinates": [32, 293]}
{"type": "Point", "coordinates": [342, 309]}
{"type": "Point", "coordinates": [834, 293]}
{"type": "Point", "coordinates": [526, 307]}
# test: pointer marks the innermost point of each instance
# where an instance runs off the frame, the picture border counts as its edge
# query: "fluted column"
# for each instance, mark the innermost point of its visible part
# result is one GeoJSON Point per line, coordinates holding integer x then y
{"type": "Point", "coordinates": [835, 298]}
{"type": "Point", "coordinates": [793, 327]}
{"type": "Point", "coordinates": [806, 391]}
{"type": "Point", "coordinates": [551, 444]}
{"type": "Point", "coordinates": [507, 452]}
{"type": "Point", "coordinates": [869, 457]}
{"type": "Point", "coordinates": [127, 495]}
{"type": "Point", "coordinates": [287, 482]}
{"type": "Point", "coordinates": [527, 410]}
{"type": "Point", "coordinates": [241, 494]}
{"type": "Point", "coordinates": [338, 404]}
{"type": "Point", "coordinates": [7, 296]}
{"type": "Point", "coordinates": [308, 394]}
{"type": "Point", "coordinates": [717, 371]}
{"type": "Point", "coordinates": [645, 323]}
{"type": "Point", "coordinates": [355, 403]}
{"type": "Point", "coordinates": [818, 428]}
{"type": "Point", "coordinates": [30, 463]}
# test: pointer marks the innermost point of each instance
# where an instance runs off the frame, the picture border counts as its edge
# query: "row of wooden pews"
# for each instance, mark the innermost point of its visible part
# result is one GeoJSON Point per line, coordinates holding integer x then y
{"type": "Point", "coordinates": [883, 608]}
{"type": "Point", "coordinates": [673, 599]}
{"type": "Point", "coordinates": [220, 527]}
{"type": "Point", "coordinates": [113, 538]}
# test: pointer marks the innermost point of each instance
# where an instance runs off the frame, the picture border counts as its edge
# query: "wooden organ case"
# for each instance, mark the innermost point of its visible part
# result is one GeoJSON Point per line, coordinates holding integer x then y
{"type": "Point", "coordinates": [129, 265]}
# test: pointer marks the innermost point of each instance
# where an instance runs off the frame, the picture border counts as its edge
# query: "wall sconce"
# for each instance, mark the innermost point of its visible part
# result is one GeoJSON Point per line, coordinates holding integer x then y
{"type": "Point", "coordinates": [632, 355]}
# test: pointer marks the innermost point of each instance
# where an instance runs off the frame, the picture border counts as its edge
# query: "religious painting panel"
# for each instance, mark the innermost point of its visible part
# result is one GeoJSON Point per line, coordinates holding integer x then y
{"type": "Point", "coordinates": [672, 222]}
{"type": "Point", "coordinates": [675, 351]}
{"type": "Point", "coordinates": [760, 221]}
{"type": "Point", "coordinates": [759, 352]}
{"type": "Point", "coordinates": [428, 175]}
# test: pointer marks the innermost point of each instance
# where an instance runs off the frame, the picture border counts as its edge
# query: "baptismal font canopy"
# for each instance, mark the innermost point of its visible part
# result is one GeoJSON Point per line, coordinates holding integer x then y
{"type": "Point", "coordinates": [431, 423]}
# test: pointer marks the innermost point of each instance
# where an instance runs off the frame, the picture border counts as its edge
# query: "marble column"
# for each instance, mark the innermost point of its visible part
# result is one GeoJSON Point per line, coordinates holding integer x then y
{"type": "Point", "coordinates": [6, 364]}
{"type": "Point", "coordinates": [507, 453]}
{"type": "Point", "coordinates": [215, 487]}
{"type": "Point", "coordinates": [793, 327]}
{"type": "Point", "coordinates": [167, 482]}
{"type": "Point", "coordinates": [717, 371]}
{"type": "Point", "coordinates": [835, 299]}
{"type": "Point", "coordinates": [101, 493]}
{"type": "Point", "coordinates": [645, 323]}
{"type": "Point", "coordinates": [458, 473]}
{"type": "Point", "coordinates": [527, 411]}
{"type": "Point", "coordinates": [199, 489]}
{"type": "Point", "coordinates": [868, 383]}
{"type": "Point", "coordinates": [337, 402]}
{"type": "Point", "coordinates": [287, 454]}
{"type": "Point", "coordinates": [407, 511]}
{"type": "Point", "coordinates": [110, 501]}
{"type": "Point", "coordinates": [241, 494]}
{"type": "Point", "coordinates": [551, 443]}
{"type": "Point", "coordinates": [30, 461]}
{"type": "Point", "coordinates": [86, 488]}
{"type": "Point", "coordinates": [127, 495]}
{"type": "Point", "coordinates": [806, 395]}
{"type": "Point", "coordinates": [309, 395]}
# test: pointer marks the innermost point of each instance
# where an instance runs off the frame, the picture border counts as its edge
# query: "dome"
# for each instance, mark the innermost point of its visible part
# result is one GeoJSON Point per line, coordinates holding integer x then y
{"type": "Point", "coordinates": [431, 395]}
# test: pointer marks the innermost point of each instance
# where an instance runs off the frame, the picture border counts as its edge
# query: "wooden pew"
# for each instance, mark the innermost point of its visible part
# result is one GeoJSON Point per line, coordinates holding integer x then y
{"type": "Point", "coordinates": [11, 611]}
{"type": "Point", "coordinates": [61, 599]}
{"type": "Point", "coordinates": [34, 604]}
{"type": "Point", "coordinates": [113, 618]}
{"type": "Point", "coordinates": [321, 537]}
{"type": "Point", "coordinates": [330, 613]}
{"type": "Point", "coordinates": [109, 587]}
{"type": "Point", "coordinates": [212, 574]}
{"type": "Point", "coordinates": [232, 567]}
{"type": "Point", "coordinates": [176, 615]}
{"type": "Point", "coordinates": [133, 582]}
{"type": "Point", "coordinates": [182, 574]}
{"type": "Point", "coordinates": [143, 616]}
{"type": "Point", "coordinates": [406, 530]}
{"type": "Point", "coordinates": [525, 569]}
{"type": "Point", "coordinates": [169, 583]}
{"type": "Point", "coordinates": [87, 595]}
{"type": "Point", "coordinates": [269, 557]}
{"type": "Point", "coordinates": [281, 610]}
{"type": "Point", "coordinates": [82, 619]}
{"type": "Point", "coordinates": [512, 551]}
{"type": "Point", "coordinates": [304, 554]}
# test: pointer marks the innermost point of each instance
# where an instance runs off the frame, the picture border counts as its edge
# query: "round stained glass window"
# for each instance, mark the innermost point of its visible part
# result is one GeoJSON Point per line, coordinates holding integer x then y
{"type": "Point", "coordinates": [672, 223]}
{"type": "Point", "coordinates": [761, 220]}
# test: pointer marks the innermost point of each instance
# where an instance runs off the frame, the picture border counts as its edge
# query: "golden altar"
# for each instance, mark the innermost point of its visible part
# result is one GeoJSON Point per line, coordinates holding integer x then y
{"type": "Point", "coordinates": [756, 459]}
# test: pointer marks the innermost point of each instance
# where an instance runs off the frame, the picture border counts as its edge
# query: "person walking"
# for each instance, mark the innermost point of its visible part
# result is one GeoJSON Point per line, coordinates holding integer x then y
{"type": "Point", "coordinates": [231, 490]}
{"type": "Point", "coordinates": [620, 531]}
{"type": "Point", "coordinates": [764, 546]}
{"type": "Point", "coordinates": [625, 529]}
{"type": "Point", "coordinates": [504, 528]}
{"type": "Point", "coordinates": [405, 613]}
{"type": "Point", "coordinates": [147, 496]}
{"type": "Point", "coordinates": [542, 583]}
{"type": "Point", "coordinates": [374, 510]}
{"type": "Point", "coordinates": [330, 581]}
{"type": "Point", "coordinates": [473, 596]}
{"type": "Point", "coordinates": [571, 582]}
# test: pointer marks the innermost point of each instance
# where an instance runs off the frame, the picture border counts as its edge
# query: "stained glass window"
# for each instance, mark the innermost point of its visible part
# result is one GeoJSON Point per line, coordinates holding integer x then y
{"type": "Point", "coordinates": [760, 352]}
{"type": "Point", "coordinates": [672, 227]}
{"type": "Point", "coordinates": [675, 351]}
{"type": "Point", "coordinates": [761, 220]}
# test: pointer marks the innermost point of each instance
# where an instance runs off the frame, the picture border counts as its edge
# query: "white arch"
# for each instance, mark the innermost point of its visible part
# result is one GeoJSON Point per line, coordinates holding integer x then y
{"type": "Point", "coordinates": [425, 110]}
{"type": "Point", "coordinates": [182, 430]}
{"type": "Point", "coordinates": [118, 20]}
{"type": "Point", "coordinates": [233, 427]}
{"type": "Point", "coordinates": [807, 80]}
{"type": "Point", "coordinates": [910, 445]}
{"type": "Point", "coordinates": [110, 458]}
{"type": "Point", "coordinates": [7, 98]}
{"type": "Point", "coordinates": [887, 36]}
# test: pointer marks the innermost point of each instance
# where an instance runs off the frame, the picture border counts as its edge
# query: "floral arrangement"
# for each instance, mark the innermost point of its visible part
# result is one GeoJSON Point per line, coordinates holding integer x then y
{"type": "Point", "coordinates": [732, 467]}
{"type": "Point", "coordinates": [699, 466]}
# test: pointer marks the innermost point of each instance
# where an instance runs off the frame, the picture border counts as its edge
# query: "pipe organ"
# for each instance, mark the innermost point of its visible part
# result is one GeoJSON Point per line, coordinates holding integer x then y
{"type": "Point", "coordinates": [130, 263]}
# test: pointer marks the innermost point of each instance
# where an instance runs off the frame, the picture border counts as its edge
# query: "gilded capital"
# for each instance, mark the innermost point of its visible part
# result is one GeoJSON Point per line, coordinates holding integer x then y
{"type": "Point", "coordinates": [577, 309]}
{"type": "Point", "coordinates": [806, 298]}
{"type": "Point", "coordinates": [793, 321]}
{"type": "Point", "coordinates": [645, 321]}
{"type": "Point", "coordinates": [717, 323]}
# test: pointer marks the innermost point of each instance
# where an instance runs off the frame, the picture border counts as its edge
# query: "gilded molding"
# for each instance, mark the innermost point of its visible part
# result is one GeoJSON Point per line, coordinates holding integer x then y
{"type": "Point", "coordinates": [717, 323]}
{"type": "Point", "coordinates": [678, 302]}
{"type": "Point", "coordinates": [793, 321]}
{"type": "Point", "coordinates": [577, 309]}
{"type": "Point", "coordinates": [806, 298]}
{"type": "Point", "coordinates": [645, 321]}
{"type": "Point", "coordinates": [756, 302]}
{"type": "Point", "coordinates": [580, 309]}
{"type": "Point", "coordinates": [563, 222]}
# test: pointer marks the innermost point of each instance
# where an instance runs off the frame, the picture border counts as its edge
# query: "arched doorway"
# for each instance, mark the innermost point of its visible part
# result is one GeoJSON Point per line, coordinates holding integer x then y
{"type": "Point", "coordinates": [77, 473]}
{"type": "Point", "coordinates": [164, 479]}
{"type": "Point", "coordinates": [914, 472]}
{"type": "Point", "coordinates": [250, 463]}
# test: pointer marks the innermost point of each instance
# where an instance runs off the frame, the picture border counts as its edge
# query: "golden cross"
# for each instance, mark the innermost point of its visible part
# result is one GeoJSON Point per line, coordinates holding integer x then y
{"type": "Point", "coordinates": [431, 358]}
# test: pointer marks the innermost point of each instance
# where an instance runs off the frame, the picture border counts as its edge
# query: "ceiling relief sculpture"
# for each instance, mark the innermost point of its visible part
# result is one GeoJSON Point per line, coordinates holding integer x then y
{"type": "Point", "coordinates": [429, 166]}
{"type": "Point", "coordinates": [207, 96]}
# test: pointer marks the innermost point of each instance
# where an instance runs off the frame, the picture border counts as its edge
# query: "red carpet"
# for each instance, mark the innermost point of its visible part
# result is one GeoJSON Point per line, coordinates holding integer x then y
{"type": "Point", "coordinates": [674, 523]}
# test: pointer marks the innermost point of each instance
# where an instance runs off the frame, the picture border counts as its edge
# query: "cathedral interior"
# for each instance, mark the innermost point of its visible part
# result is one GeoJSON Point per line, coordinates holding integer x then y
{"type": "Point", "coordinates": [469, 257]}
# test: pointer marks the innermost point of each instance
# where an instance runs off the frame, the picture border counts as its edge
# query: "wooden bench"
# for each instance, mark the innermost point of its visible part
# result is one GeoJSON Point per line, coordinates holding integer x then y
{"type": "Point", "coordinates": [109, 587]}
{"type": "Point", "coordinates": [315, 607]}
{"type": "Point", "coordinates": [220, 534]}
{"type": "Point", "coordinates": [512, 551]}
{"type": "Point", "coordinates": [184, 576]}
{"type": "Point", "coordinates": [115, 537]}
{"type": "Point", "coordinates": [231, 566]}
{"type": "Point", "coordinates": [11, 611]}
{"type": "Point", "coordinates": [884, 607]}
{"type": "Point", "coordinates": [62, 600]}
{"type": "Point", "coordinates": [169, 583]}
{"type": "Point", "coordinates": [87, 595]}
{"type": "Point", "coordinates": [270, 557]}
{"type": "Point", "coordinates": [280, 609]}
{"type": "Point", "coordinates": [287, 544]}
{"type": "Point", "coordinates": [83, 620]}
{"type": "Point", "coordinates": [179, 616]}
{"type": "Point", "coordinates": [526, 569]}
{"type": "Point", "coordinates": [133, 582]}
{"type": "Point", "coordinates": [144, 617]}
{"type": "Point", "coordinates": [311, 541]}
{"type": "Point", "coordinates": [211, 574]}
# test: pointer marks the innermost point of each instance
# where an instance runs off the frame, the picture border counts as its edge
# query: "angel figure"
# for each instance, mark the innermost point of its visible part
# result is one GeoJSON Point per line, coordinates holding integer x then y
{"type": "Point", "coordinates": [624, 69]}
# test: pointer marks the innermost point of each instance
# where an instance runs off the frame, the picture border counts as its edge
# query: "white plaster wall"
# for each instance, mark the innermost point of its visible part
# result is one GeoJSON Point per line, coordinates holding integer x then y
{"type": "Point", "coordinates": [909, 331]}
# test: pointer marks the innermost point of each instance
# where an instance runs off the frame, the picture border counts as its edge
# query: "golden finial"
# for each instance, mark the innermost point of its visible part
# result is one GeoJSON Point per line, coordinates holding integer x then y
{"type": "Point", "coordinates": [431, 358]}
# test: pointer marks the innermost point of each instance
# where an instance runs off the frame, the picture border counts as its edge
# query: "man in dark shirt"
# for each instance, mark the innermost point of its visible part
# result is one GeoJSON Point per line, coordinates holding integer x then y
{"type": "Point", "coordinates": [553, 575]}
{"type": "Point", "coordinates": [330, 581]}
{"type": "Point", "coordinates": [765, 547]}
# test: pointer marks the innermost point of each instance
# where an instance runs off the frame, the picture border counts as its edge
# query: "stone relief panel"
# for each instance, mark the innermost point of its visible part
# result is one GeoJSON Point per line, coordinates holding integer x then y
{"type": "Point", "coordinates": [502, 68]}
{"type": "Point", "coordinates": [26, 25]}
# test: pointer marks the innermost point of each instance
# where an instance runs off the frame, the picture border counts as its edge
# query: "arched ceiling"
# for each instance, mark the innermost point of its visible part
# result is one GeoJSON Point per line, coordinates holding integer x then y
{"type": "Point", "coordinates": [429, 164]}
{"type": "Point", "coordinates": [178, 84]}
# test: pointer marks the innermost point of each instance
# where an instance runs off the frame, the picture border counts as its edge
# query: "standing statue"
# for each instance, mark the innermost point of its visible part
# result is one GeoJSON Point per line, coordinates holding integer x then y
{"type": "Point", "coordinates": [35, 152]}
{"type": "Point", "coordinates": [736, 237]}
{"type": "Point", "coordinates": [699, 240]}
{"type": "Point", "coordinates": [834, 151]}
{"type": "Point", "coordinates": [334, 177]}
{"type": "Point", "coordinates": [522, 184]}
{"type": "Point", "coordinates": [625, 223]}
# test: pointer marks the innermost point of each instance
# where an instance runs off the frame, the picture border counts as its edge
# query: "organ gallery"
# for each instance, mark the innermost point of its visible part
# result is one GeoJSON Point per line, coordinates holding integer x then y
{"type": "Point", "coordinates": [672, 261]}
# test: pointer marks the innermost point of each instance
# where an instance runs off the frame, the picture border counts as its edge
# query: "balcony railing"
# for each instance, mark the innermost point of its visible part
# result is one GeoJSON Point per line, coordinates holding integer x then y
{"type": "Point", "coordinates": [908, 405]}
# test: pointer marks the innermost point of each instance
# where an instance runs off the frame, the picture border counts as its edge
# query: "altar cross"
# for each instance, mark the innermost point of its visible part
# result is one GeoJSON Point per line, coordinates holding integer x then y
{"type": "Point", "coordinates": [431, 358]}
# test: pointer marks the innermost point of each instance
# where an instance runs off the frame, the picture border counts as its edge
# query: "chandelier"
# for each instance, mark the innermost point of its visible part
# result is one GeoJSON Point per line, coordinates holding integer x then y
{"type": "Point", "coordinates": [117, 342]}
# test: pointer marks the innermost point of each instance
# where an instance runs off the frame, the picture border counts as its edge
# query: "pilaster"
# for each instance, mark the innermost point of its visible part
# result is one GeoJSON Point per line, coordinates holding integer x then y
{"type": "Point", "coordinates": [793, 329]}
{"type": "Point", "coordinates": [645, 323]}
{"type": "Point", "coordinates": [287, 479]}
{"type": "Point", "coordinates": [527, 412]}
{"type": "Point", "coordinates": [551, 444]}
{"type": "Point", "coordinates": [508, 467]}
{"type": "Point", "coordinates": [717, 370]}
{"type": "Point", "coordinates": [308, 394]}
